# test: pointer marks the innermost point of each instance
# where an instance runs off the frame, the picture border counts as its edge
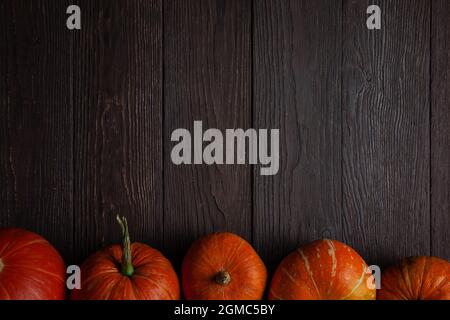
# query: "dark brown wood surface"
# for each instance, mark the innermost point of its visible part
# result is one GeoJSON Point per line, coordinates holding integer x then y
{"type": "Point", "coordinates": [207, 77]}
{"type": "Point", "coordinates": [86, 118]}
{"type": "Point", "coordinates": [440, 130]}
{"type": "Point", "coordinates": [118, 123]}
{"type": "Point", "coordinates": [385, 130]}
{"type": "Point", "coordinates": [297, 85]}
{"type": "Point", "coordinates": [36, 124]}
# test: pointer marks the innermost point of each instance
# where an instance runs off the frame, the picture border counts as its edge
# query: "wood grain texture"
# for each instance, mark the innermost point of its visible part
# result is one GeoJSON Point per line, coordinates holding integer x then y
{"type": "Point", "coordinates": [297, 66]}
{"type": "Point", "coordinates": [118, 123]}
{"type": "Point", "coordinates": [386, 130]}
{"type": "Point", "coordinates": [207, 54]}
{"type": "Point", "coordinates": [440, 130]}
{"type": "Point", "coordinates": [36, 120]}
{"type": "Point", "coordinates": [4, 105]}
{"type": "Point", "coordinates": [86, 118]}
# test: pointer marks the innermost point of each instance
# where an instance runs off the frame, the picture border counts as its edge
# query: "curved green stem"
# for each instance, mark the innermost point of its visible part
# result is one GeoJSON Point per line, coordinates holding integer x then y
{"type": "Point", "coordinates": [127, 265]}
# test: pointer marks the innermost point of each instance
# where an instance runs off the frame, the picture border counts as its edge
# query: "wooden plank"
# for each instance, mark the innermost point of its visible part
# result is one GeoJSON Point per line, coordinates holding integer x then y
{"type": "Point", "coordinates": [297, 58]}
{"type": "Point", "coordinates": [207, 52]}
{"type": "Point", "coordinates": [36, 120]}
{"type": "Point", "coordinates": [386, 130]}
{"type": "Point", "coordinates": [118, 123]}
{"type": "Point", "coordinates": [440, 130]}
{"type": "Point", "coordinates": [5, 188]}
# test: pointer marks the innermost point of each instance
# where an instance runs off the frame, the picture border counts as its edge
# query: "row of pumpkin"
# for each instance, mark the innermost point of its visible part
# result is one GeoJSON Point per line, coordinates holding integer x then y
{"type": "Point", "coordinates": [219, 266]}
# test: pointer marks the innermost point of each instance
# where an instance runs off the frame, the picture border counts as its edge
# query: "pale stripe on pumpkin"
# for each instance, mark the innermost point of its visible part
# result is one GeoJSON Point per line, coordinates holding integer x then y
{"type": "Point", "coordinates": [308, 269]}
{"type": "Point", "coordinates": [360, 281]}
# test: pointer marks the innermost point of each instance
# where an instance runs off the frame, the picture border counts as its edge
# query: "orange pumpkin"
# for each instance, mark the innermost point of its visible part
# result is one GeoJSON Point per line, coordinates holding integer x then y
{"type": "Point", "coordinates": [416, 278]}
{"type": "Point", "coordinates": [30, 267]}
{"type": "Point", "coordinates": [223, 266]}
{"type": "Point", "coordinates": [132, 272]}
{"type": "Point", "coordinates": [323, 270]}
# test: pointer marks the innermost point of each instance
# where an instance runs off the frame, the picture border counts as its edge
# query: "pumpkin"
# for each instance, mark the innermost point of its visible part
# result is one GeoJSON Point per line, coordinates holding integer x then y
{"type": "Point", "coordinates": [128, 272]}
{"type": "Point", "coordinates": [30, 268]}
{"type": "Point", "coordinates": [416, 278]}
{"type": "Point", "coordinates": [223, 266]}
{"type": "Point", "coordinates": [323, 270]}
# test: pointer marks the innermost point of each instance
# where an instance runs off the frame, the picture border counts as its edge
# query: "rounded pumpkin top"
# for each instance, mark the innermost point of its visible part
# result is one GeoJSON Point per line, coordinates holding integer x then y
{"type": "Point", "coordinates": [128, 272]}
{"type": "Point", "coordinates": [30, 267]}
{"type": "Point", "coordinates": [223, 266]}
{"type": "Point", "coordinates": [102, 277]}
{"type": "Point", "coordinates": [416, 278]}
{"type": "Point", "coordinates": [322, 270]}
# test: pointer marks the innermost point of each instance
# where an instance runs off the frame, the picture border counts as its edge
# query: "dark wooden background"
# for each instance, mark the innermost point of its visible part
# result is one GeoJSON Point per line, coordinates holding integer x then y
{"type": "Point", "coordinates": [86, 118]}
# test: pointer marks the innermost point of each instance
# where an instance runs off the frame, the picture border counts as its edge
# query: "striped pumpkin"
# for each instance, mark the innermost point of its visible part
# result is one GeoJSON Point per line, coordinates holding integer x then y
{"type": "Point", "coordinates": [323, 270]}
{"type": "Point", "coordinates": [416, 278]}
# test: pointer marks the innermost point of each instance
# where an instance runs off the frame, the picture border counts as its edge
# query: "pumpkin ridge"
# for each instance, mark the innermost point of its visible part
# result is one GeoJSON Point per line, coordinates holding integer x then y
{"type": "Point", "coordinates": [8, 297]}
{"type": "Point", "coordinates": [208, 289]}
{"type": "Point", "coordinates": [286, 272]}
{"type": "Point", "coordinates": [401, 282]}
{"type": "Point", "coordinates": [423, 277]}
{"type": "Point", "coordinates": [150, 269]}
{"type": "Point", "coordinates": [113, 288]}
{"type": "Point", "coordinates": [233, 254]}
{"type": "Point", "coordinates": [360, 281]}
{"type": "Point", "coordinates": [204, 257]}
{"type": "Point", "coordinates": [407, 278]}
{"type": "Point", "coordinates": [155, 283]}
{"type": "Point", "coordinates": [308, 269]}
{"type": "Point", "coordinates": [246, 259]}
{"type": "Point", "coordinates": [146, 255]}
{"type": "Point", "coordinates": [37, 269]}
{"type": "Point", "coordinates": [10, 243]}
{"type": "Point", "coordinates": [273, 294]}
{"type": "Point", "coordinates": [396, 283]}
{"type": "Point", "coordinates": [333, 264]}
{"type": "Point", "coordinates": [108, 272]}
{"type": "Point", "coordinates": [395, 293]}
{"type": "Point", "coordinates": [200, 264]}
{"type": "Point", "coordinates": [93, 281]}
{"type": "Point", "coordinates": [441, 285]}
{"type": "Point", "coordinates": [133, 292]}
{"type": "Point", "coordinates": [33, 242]}
{"type": "Point", "coordinates": [136, 292]}
{"type": "Point", "coordinates": [216, 248]}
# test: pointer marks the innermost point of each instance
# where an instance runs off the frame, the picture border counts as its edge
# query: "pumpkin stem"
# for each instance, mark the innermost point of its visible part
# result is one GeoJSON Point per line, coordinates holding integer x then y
{"type": "Point", "coordinates": [223, 278]}
{"type": "Point", "coordinates": [127, 266]}
{"type": "Point", "coordinates": [1, 265]}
